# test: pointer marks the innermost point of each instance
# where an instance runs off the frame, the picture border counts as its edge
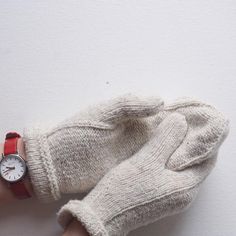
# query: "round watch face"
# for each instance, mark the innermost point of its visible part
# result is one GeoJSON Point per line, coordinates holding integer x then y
{"type": "Point", "coordinates": [12, 168]}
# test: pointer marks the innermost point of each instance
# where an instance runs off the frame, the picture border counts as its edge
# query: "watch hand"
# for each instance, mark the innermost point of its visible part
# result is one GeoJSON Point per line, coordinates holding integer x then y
{"type": "Point", "coordinates": [10, 168]}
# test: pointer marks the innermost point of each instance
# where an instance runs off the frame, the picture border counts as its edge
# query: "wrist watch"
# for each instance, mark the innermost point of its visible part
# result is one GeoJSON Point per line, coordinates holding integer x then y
{"type": "Point", "coordinates": [13, 167]}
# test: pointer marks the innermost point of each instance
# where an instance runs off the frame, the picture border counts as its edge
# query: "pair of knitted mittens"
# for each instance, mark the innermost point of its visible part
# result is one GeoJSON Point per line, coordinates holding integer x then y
{"type": "Point", "coordinates": [146, 159]}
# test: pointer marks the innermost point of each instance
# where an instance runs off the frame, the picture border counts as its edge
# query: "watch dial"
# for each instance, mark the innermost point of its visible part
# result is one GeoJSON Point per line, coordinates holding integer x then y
{"type": "Point", "coordinates": [12, 168]}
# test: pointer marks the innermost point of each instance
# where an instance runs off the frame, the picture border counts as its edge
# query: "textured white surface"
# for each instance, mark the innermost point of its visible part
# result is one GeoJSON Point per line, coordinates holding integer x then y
{"type": "Point", "coordinates": [59, 56]}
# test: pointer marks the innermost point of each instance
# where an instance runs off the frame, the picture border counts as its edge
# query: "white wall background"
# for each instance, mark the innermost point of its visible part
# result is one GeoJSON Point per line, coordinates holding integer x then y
{"type": "Point", "coordinates": [58, 56]}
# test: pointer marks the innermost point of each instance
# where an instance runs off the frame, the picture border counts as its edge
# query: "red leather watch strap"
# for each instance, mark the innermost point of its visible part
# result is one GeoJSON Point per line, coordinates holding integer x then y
{"type": "Point", "coordinates": [10, 147]}
{"type": "Point", "coordinates": [20, 190]}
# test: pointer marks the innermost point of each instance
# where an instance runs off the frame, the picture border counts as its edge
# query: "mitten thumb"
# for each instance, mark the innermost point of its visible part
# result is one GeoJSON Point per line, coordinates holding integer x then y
{"type": "Point", "coordinates": [123, 108]}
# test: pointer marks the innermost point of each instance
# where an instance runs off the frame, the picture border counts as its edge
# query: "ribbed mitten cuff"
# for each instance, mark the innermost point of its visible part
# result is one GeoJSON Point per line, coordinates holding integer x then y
{"type": "Point", "coordinates": [40, 164]}
{"type": "Point", "coordinates": [84, 214]}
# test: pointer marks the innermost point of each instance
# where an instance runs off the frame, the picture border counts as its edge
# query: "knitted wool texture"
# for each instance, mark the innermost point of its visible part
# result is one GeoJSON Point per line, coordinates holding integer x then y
{"type": "Point", "coordinates": [75, 154]}
{"type": "Point", "coordinates": [146, 187]}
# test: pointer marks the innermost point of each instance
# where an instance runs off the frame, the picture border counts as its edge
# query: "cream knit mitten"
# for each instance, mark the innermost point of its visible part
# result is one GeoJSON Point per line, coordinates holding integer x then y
{"type": "Point", "coordinates": [74, 155]}
{"type": "Point", "coordinates": [147, 186]}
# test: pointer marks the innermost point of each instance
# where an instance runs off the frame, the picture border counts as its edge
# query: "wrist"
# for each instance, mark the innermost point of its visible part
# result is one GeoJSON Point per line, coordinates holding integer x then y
{"type": "Point", "coordinates": [26, 180]}
{"type": "Point", "coordinates": [75, 228]}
